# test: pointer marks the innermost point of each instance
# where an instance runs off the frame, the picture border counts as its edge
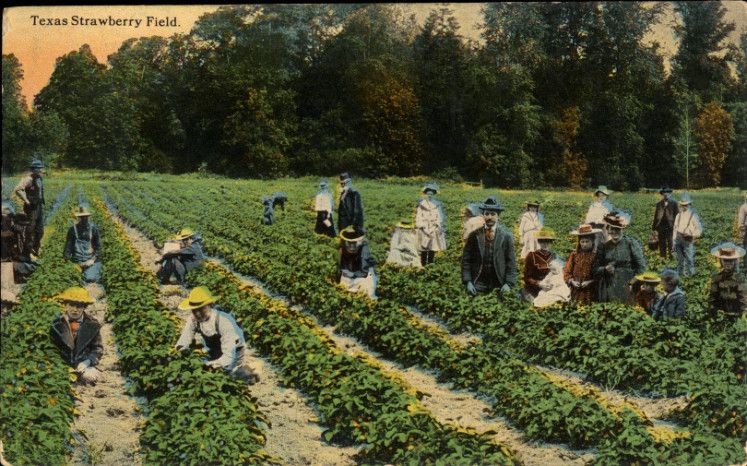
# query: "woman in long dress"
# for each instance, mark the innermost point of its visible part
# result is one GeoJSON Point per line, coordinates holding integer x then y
{"type": "Point", "coordinates": [430, 222]}
{"type": "Point", "coordinates": [531, 222]}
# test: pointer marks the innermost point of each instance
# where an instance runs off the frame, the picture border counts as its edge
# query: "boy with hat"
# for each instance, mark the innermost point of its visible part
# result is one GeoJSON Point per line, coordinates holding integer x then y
{"type": "Point", "coordinates": [664, 214]}
{"type": "Point", "coordinates": [537, 264]}
{"type": "Point", "coordinates": [672, 303]}
{"type": "Point", "coordinates": [188, 256]}
{"type": "Point", "coordinates": [687, 228]}
{"type": "Point", "coordinates": [430, 222]}
{"type": "Point", "coordinates": [728, 292]}
{"type": "Point", "coordinates": [83, 246]}
{"type": "Point", "coordinates": [488, 258]}
{"type": "Point", "coordinates": [77, 334]}
{"type": "Point", "coordinates": [30, 190]}
{"type": "Point", "coordinates": [350, 209]}
{"type": "Point", "coordinates": [531, 221]}
{"type": "Point", "coordinates": [578, 269]}
{"type": "Point", "coordinates": [356, 266]}
{"type": "Point", "coordinates": [617, 261]}
{"type": "Point", "coordinates": [643, 290]}
{"type": "Point", "coordinates": [221, 335]}
{"type": "Point", "coordinates": [323, 207]}
{"type": "Point", "coordinates": [403, 246]}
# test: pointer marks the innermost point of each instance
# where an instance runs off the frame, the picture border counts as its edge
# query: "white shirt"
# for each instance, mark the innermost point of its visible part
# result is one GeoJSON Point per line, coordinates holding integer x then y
{"type": "Point", "coordinates": [323, 202]}
{"type": "Point", "coordinates": [231, 336]}
{"type": "Point", "coordinates": [687, 223]}
{"type": "Point", "coordinates": [597, 211]}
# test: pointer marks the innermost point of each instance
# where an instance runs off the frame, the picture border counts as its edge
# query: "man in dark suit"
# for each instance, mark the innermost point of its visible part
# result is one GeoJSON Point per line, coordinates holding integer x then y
{"type": "Point", "coordinates": [666, 212]}
{"type": "Point", "coordinates": [350, 210]}
{"type": "Point", "coordinates": [488, 257]}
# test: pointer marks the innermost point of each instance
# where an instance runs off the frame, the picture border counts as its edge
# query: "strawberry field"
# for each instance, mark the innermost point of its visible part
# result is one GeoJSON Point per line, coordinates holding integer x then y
{"type": "Point", "coordinates": [582, 378]}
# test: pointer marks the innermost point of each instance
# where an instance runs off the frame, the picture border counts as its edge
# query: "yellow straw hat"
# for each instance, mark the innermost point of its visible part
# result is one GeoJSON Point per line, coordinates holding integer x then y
{"type": "Point", "coordinates": [75, 294]}
{"type": "Point", "coordinates": [648, 277]}
{"type": "Point", "coordinates": [82, 212]}
{"type": "Point", "coordinates": [545, 234]}
{"type": "Point", "coordinates": [198, 297]}
{"type": "Point", "coordinates": [184, 233]}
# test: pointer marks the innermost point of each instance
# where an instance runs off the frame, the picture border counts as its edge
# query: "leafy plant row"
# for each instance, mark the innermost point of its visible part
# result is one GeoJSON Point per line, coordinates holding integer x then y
{"type": "Point", "coordinates": [356, 401]}
{"type": "Point", "coordinates": [195, 415]}
{"type": "Point", "coordinates": [389, 329]}
{"type": "Point", "coordinates": [36, 399]}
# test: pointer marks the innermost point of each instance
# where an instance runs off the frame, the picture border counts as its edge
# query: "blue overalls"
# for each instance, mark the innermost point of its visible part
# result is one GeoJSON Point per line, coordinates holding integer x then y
{"type": "Point", "coordinates": [83, 251]}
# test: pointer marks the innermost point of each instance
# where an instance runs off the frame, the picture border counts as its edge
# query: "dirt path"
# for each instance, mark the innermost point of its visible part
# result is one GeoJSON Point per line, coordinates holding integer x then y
{"type": "Point", "coordinates": [295, 436]}
{"type": "Point", "coordinates": [107, 429]}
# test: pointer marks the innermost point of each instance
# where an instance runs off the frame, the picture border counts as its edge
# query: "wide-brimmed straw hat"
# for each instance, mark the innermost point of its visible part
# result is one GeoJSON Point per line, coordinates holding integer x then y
{"type": "Point", "coordinates": [82, 212]}
{"type": "Point", "coordinates": [648, 277]}
{"type": "Point", "coordinates": [602, 189]}
{"type": "Point", "coordinates": [198, 297]}
{"type": "Point", "coordinates": [534, 203]}
{"type": "Point", "coordinates": [75, 294]}
{"type": "Point", "coordinates": [351, 234]}
{"type": "Point", "coordinates": [545, 234]}
{"type": "Point", "coordinates": [585, 230]}
{"type": "Point", "coordinates": [615, 220]}
{"type": "Point", "coordinates": [491, 204]}
{"type": "Point", "coordinates": [431, 187]}
{"type": "Point", "coordinates": [685, 199]}
{"type": "Point", "coordinates": [728, 251]}
{"type": "Point", "coordinates": [406, 224]}
{"type": "Point", "coordinates": [184, 233]}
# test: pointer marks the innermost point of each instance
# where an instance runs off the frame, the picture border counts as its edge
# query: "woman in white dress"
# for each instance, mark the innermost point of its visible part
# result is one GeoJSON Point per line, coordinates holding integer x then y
{"type": "Point", "coordinates": [430, 222]}
{"type": "Point", "coordinates": [530, 222]}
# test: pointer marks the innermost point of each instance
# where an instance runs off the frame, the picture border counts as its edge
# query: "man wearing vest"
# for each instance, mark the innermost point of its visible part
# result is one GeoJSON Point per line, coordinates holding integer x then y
{"type": "Point", "coordinates": [78, 335]}
{"type": "Point", "coordinates": [83, 246]}
{"type": "Point", "coordinates": [31, 191]}
{"type": "Point", "coordinates": [488, 257]}
{"type": "Point", "coordinates": [664, 215]}
{"type": "Point", "coordinates": [350, 209]}
{"type": "Point", "coordinates": [220, 334]}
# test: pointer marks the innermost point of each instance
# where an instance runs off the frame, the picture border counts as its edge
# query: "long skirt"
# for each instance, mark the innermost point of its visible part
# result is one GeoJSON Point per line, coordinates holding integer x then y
{"type": "Point", "coordinates": [322, 227]}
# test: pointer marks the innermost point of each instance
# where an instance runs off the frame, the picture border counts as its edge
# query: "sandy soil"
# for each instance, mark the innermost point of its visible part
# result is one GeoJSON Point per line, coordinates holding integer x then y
{"type": "Point", "coordinates": [295, 436]}
{"type": "Point", "coordinates": [107, 429]}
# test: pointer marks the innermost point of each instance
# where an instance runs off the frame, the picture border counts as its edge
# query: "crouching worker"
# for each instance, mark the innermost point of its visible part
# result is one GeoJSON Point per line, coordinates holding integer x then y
{"type": "Point", "coordinates": [179, 258]}
{"type": "Point", "coordinates": [220, 334]}
{"type": "Point", "coordinates": [78, 335]}
{"type": "Point", "coordinates": [643, 290]}
{"type": "Point", "coordinates": [83, 246]}
{"type": "Point", "coordinates": [356, 267]}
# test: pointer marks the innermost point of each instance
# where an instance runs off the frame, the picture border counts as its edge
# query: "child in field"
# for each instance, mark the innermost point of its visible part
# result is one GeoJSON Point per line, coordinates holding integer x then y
{"type": "Point", "coordinates": [578, 270]}
{"type": "Point", "coordinates": [356, 266]}
{"type": "Point", "coordinates": [672, 303]}
{"type": "Point", "coordinates": [553, 288]}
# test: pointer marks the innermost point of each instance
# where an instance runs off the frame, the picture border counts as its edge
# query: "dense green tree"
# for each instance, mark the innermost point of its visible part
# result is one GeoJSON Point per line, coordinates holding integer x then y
{"type": "Point", "coordinates": [15, 116]}
{"type": "Point", "coordinates": [714, 132]}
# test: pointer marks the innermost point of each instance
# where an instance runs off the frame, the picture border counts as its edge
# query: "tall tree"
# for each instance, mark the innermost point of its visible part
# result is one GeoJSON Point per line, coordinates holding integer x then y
{"type": "Point", "coordinates": [714, 131]}
{"type": "Point", "coordinates": [702, 61]}
{"type": "Point", "coordinates": [15, 116]}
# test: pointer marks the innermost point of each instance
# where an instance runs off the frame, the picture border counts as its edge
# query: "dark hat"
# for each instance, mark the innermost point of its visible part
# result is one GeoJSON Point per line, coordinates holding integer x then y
{"type": "Point", "coordinates": [36, 163]}
{"type": "Point", "coordinates": [491, 203]}
{"type": "Point", "coordinates": [615, 220]}
{"type": "Point", "coordinates": [602, 189]}
{"type": "Point", "coordinates": [665, 189]}
{"type": "Point", "coordinates": [323, 183]}
{"type": "Point", "coordinates": [344, 176]}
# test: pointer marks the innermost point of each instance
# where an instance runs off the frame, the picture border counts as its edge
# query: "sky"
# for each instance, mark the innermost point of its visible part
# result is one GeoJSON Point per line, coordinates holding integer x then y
{"type": "Point", "coordinates": [37, 44]}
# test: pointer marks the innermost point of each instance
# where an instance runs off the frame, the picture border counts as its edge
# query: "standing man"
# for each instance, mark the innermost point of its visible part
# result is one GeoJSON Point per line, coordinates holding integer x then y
{"type": "Point", "coordinates": [430, 222]}
{"type": "Point", "coordinates": [663, 225]}
{"type": "Point", "coordinates": [687, 228]}
{"type": "Point", "coordinates": [617, 262]}
{"type": "Point", "coordinates": [742, 222]}
{"type": "Point", "coordinates": [78, 335]}
{"type": "Point", "coordinates": [350, 210]}
{"type": "Point", "coordinates": [488, 257]}
{"type": "Point", "coordinates": [83, 246]}
{"type": "Point", "coordinates": [31, 191]}
{"type": "Point", "coordinates": [223, 338]}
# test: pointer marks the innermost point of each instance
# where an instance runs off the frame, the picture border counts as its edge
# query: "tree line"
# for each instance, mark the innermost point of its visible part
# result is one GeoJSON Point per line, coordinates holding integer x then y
{"type": "Point", "coordinates": [556, 94]}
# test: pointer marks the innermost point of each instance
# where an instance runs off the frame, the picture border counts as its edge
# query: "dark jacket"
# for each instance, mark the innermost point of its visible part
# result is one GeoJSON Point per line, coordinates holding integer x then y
{"type": "Point", "coordinates": [350, 210]}
{"type": "Point", "coordinates": [504, 256]}
{"type": "Point", "coordinates": [664, 216]}
{"type": "Point", "coordinates": [83, 234]}
{"type": "Point", "coordinates": [671, 305]}
{"type": "Point", "coordinates": [359, 263]}
{"type": "Point", "coordinates": [86, 346]}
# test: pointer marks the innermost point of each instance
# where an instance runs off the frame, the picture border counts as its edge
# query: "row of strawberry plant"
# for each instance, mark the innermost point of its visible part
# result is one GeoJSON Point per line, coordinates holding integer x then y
{"type": "Point", "coordinates": [390, 330]}
{"type": "Point", "coordinates": [186, 400]}
{"type": "Point", "coordinates": [356, 401]}
{"type": "Point", "coordinates": [36, 399]}
{"type": "Point", "coordinates": [607, 356]}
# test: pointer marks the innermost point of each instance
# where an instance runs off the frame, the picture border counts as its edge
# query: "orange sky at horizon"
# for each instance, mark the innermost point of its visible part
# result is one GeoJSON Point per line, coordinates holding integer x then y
{"type": "Point", "coordinates": [38, 46]}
